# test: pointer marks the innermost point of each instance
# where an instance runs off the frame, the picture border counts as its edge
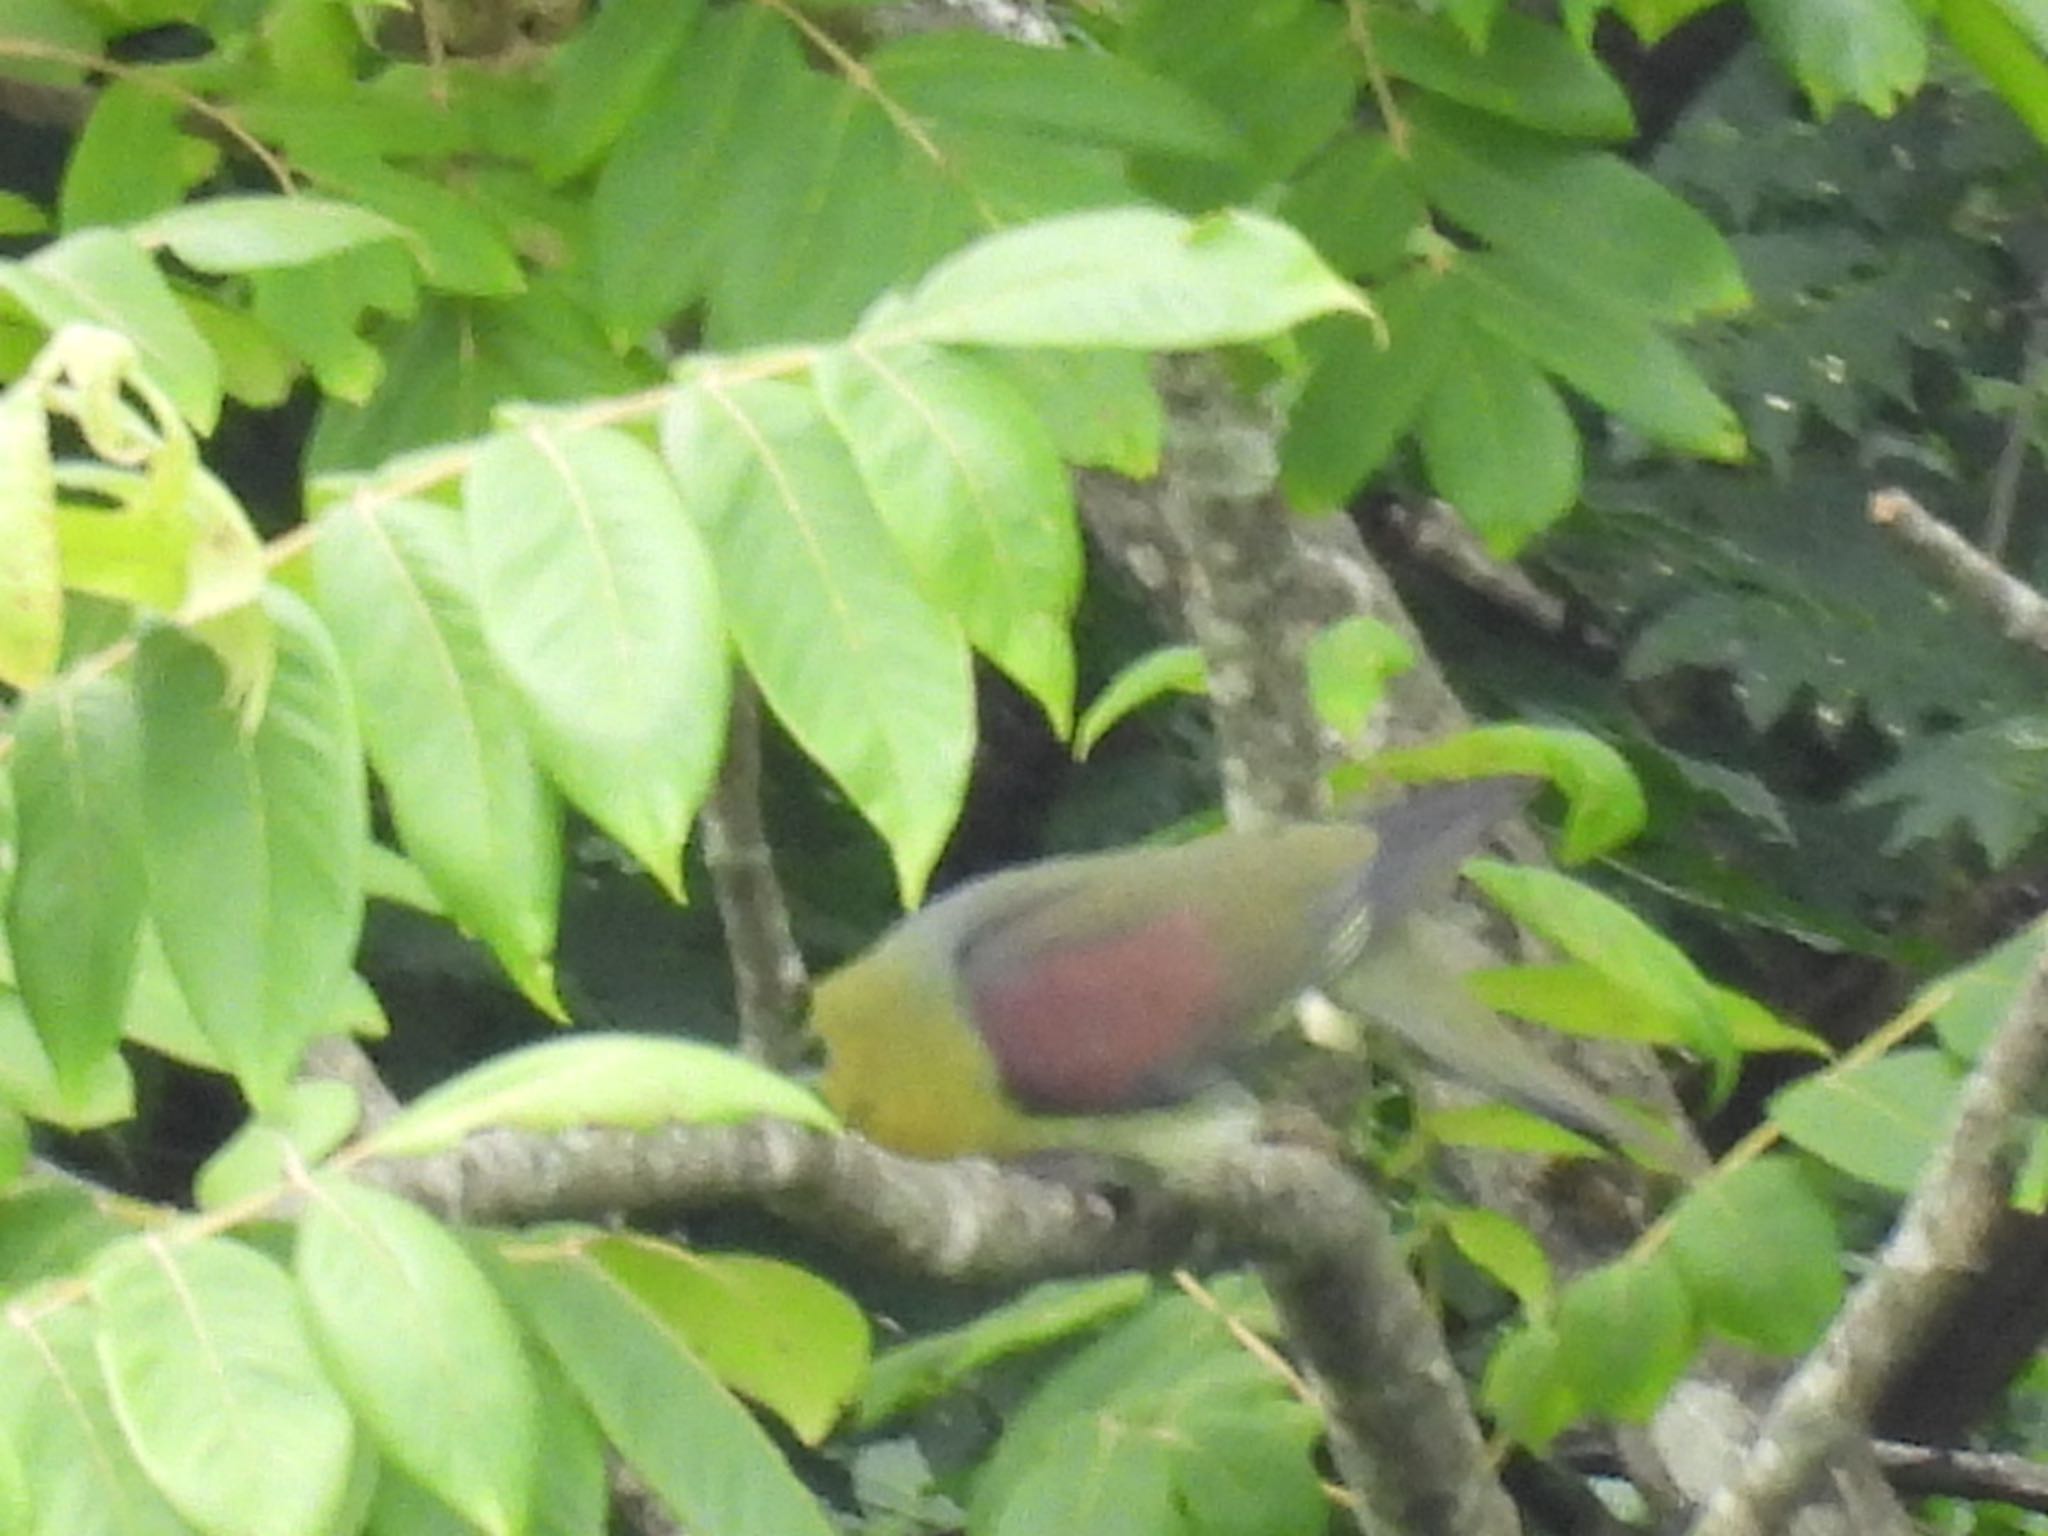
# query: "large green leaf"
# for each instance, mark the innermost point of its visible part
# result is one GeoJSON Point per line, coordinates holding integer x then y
{"type": "Point", "coordinates": [77, 896]}
{"type": "Point", "coordinates": [1366, 389]}
{"type": "Point", "coordinates": [103, 1094]}
{"type": "Point", "coordinates": [101, 277]}
{"type": "Point", "coordinates": [1585, 214]}
{"type": "Point", "coordinates": [1757, 1249]}
{"type": "Point", "coordinates": [1075, 93]}
{"type": "Point", "coordinates": [1878, 1120]}
{"type": "Point", "coordinates": [1873, 52]}
{"type": "Point", "coordinates": [973, 489]}
{"type": "Point", "coordinates": [870, 679]}
{"type": "Point", "coordinates": [655, 213]}
{"type": "Point", "coordinates": [249, 233]}
{"type": "Point", "coordinates": [442, 730]}
{"type": "Point", "coordinates": [254, 844]}
{"type": "Point", "coordinates": [1528, 71]}
{"type": "Point", "coordinates": [217, 1387]}
{"type": "Point", "coordinates": [1165, 1424]}
{"type": "Point", "coordinates": [596, 594]}
{"type": "Point", "coordinates": [630, 1081]}
{"type": "Point", "coordinates": [1121, 277]}
{"type": "Point", "coordinates": [1625, 1334]}
{"type": "Point", "coordinates": [129, 160]}
{"type": "Point", "coordinates": [1499, 444]}
{"type": "Point", "coordinates": [781, 1336]}
{"type": "Point", "coordinates": [424, 1350]}
{"type": "Point", "coordinates": [2006, 41]}
{"type": "Point", "coordinates": [78, 1469]}
{"type": "Point", "coordinates": [702, 1453]}
{"type": "Point", "coordinates": [606, 74]}
{"type": "Point", "coordinates": [1613, 354]}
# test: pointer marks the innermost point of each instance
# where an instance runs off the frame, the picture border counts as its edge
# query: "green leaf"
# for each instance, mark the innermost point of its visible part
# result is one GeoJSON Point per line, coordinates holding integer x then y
{"type": "Point", "coordinates": [1366, 389]}
{"type": "Point", "coordinates": [1604, 805]}
{"type": "Point", "coordinates": [1526, 71]}
{"type": "Point", "coordinates": [32, 575]}
{"type": "Point", "coordinates": [251, 233]}
{"type": "Point", "coordinates": [1120, 277]}
{"type": "Point", "coordinates": [628, 1081]}
{"type": "Point", "coordinates": [129, 161]}
{"type": "Point", "coordinates": [1164, 1424]}
{"type": "Point", "coordinates": [1984, 993]}
{"type": "Point", "coordinates": [1869, 51]}
{"type": "Point", "coordinates": [1991, 779]}
{"type": "Point", "coordinates": [78, 1470]}
{"type": "Point", "coordinates": [655, 212]}
{"type": "Point", "coordinates": [1049, 1313]}
{"type": "Point", "coordinates": [1613, 354]}
{"type": "Point", "coordinates": [608, 74]}
{"type": "Point", "coordinates": [2004, 41]}
{"type": "Point", "coordinates": [775, 1333]}
{"type": "Point", "coordinates": [100, 277]}
{"type": "Point", "coordinates": [1358, 203]}
{"type": "Point", "coordinates": [571, 1496]}
{"type": "Point", "coordinates": [423, 1349]}
{"type": "Point", "coordinates": [1499, 445]}
{"type": "Point", "coordinates": [458, 248]}
{"type": "Point", "coordinates": [317, 309]}
{"type": "Point", "coordinates": [77, 896]}
{"type": "Point", "coordinates": [105, 1093]}
{"type": "Point", "coordinates": [1579, 1000]}
{"type": "Point", "coordinates": [1878, 1120]}
{"type": "Point", "coordinates": [1757, 1249]}
{"type": "Point", "coordinates": [1170, 669]}
{"type": "Point", "coordinates": [1100, 407]}
{"type": "Point", "coordinates": [705, 1457]}
{"type": "Point", "coordinates": [217, 1387]}
{"type": "Point", "coordinates": [255, 367]}
{"type": "Point", "coordinates": [596, 594]}
{"type": "Point", "coordinates": [1528, 1389]}
{"type": "Point", "coordinates": [1349, 664]}
{"type": "Point", "coordinates": [443, 732]}
{"type": "Point", "coordinates": [311, 1120]}
{"type": "Point", "coordinates": [1075, 93]}
{"type": "Point", "coordinates": [973, 489]}
{"type": "Point", "coordinates": [1505, 1128]}
{"type": "Point", "coordinates": [1586, 215]}
{"type": "Point", "coordinates": [871, 681]}
{"type": "Point", "coordinates": [49, 1231]}
{"type": "Point", "coordinates": [1619, 945]}
{"type": "Point", "coordinates": [254, 845]}
{"type": "Point", "coordinates": [1625, 1335]}
{"type": "Point", "coordinates": [1504, 1249]}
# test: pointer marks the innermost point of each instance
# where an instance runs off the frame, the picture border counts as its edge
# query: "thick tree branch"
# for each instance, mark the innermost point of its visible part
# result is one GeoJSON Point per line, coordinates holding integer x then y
{"type": "Point", "coordinates": [1931, 1257]}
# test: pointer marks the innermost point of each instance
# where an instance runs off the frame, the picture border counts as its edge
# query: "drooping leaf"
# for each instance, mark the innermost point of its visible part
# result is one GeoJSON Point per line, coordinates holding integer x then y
{"type": "Point", "coordinates": [1505, 1249]}
{"type": "Point", "coordinates": [1499, 445]}
{"type": "Point", "coordinates": [254, 844]}
{"type": "Point", "coordinates": [313, 1117]}
{"type": "Point", "coordinates": [1168, 670]}
{"type": "Point", "coordinates": [596, 593]}
{"type": "Point", "coordinates": [442, 730]}
{"type": "Point", "coordinates": [1526, 71]}
{"type": "Point", "coordinates": [76, 900]}
{"type": "Point", "coordinates": [974, 491]}
{"type": "Point", "coordinates": [868, 677]}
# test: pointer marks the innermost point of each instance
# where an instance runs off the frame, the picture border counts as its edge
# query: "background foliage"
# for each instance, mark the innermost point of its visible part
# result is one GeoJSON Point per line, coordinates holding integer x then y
{"type": "Point", "coordinates": [417, 421]}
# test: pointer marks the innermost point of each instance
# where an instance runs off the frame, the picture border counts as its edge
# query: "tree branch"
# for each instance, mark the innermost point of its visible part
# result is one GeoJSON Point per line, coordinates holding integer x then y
{"type": "Point", "coordinates": [1939, 1242]}
{"type": "Point", "coordinates": [2020, 612]}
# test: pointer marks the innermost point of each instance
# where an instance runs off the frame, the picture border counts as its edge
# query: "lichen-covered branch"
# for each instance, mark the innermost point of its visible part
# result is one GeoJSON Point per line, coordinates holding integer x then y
{"type": "Point", "coordinates": [2019, 611]}
{"type": "Point", "coordinates": [1931, 1256]}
